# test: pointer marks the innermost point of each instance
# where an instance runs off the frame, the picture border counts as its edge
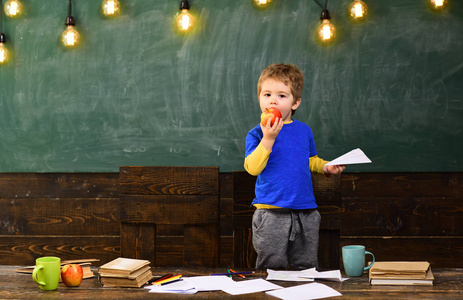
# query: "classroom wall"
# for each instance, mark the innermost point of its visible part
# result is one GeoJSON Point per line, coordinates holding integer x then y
{"type": "Point", "coordinates": [137, 93]}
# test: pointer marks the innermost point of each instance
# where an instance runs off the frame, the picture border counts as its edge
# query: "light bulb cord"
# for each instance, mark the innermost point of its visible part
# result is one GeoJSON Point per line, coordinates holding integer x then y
{"type": "Point", "coordinates": [326, 4]}
{"type": "Point", "coordinates": [70, 8]}
{"type": "Point", "coordinates": [1, 17]}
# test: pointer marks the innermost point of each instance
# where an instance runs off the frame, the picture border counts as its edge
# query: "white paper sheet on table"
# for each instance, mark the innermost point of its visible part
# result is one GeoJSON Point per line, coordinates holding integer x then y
{"type": "Point", "coordinates": [286, 276]}
{"type": "Point", "coordinates": [334, 275]}
{"type": "Point", "coordinates": [355, 156]}
{"type": "Point", "coordinates": [305, 292]}
{"type": "Point", "coordinates": [250, 286]}
{"type": "Point", "coordinates": [209, 283]}
{"type": "Point", "coordinates": [180, 287]}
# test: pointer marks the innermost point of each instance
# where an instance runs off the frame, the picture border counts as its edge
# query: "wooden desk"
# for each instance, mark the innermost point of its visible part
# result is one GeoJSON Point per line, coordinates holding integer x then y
{"type": "Point", "coordinates": [448, 284]}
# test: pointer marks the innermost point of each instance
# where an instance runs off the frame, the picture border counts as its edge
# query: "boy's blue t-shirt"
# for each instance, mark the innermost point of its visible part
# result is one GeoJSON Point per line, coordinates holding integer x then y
{"type": "Point", "coordinates": [286, 181]}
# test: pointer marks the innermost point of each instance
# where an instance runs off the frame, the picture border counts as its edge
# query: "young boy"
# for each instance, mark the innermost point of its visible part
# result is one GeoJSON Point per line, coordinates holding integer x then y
{"type": "Point", "coordinates": [286, 222]}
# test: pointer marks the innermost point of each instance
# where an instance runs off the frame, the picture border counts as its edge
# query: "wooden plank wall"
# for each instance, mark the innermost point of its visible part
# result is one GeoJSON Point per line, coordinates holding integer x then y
{"type": "Point", "coordinates": [69, 215]}
{"type": "Point", "coordinates": [405, 216]}
{"type": "Point", "coordinates": [400, 216]}
{"type": "Point", "coordinates": [170, 215]}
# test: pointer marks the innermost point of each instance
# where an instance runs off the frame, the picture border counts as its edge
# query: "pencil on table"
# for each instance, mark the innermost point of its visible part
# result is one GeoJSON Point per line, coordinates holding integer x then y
{"type": "Point", "coordinates": [240, 275]}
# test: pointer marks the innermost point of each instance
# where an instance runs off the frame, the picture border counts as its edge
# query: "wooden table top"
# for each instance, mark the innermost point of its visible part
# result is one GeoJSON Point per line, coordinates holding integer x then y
{"type": "Point", "coordinates": [448, 284]}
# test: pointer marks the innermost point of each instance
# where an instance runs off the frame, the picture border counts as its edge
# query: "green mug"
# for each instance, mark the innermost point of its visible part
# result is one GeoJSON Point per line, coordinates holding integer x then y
{"type": "Point", "coordinates": [353, 258]}
{"type": "Point", "coordinates": [47, 272]}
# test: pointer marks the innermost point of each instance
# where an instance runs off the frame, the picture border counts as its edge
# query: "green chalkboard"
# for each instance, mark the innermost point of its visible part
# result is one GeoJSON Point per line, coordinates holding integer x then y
{"type": "Point", "coordinates": [137, 93]}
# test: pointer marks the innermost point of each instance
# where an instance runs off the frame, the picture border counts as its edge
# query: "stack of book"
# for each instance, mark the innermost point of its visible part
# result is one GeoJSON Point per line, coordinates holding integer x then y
{"type": "Point", "coordinates": [125, 272]}
{"type": "Point", "coordinates": [401, 273]}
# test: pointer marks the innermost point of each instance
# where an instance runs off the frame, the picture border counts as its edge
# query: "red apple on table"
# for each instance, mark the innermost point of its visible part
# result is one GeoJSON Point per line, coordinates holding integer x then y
{"type": "Point", "coordinates": [72, 274]}
{"type": "Point", "coordinates": [271, 112]}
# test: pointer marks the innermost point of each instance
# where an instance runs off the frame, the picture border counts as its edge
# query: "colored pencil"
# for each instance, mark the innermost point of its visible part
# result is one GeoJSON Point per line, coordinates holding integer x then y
{"type": "Point", "coordinates": [236, 273]}
{"type": "Point", "coordinates": [172, 281]}
{"type": "Point", "coordinates": [167, 279]}
{"type": "Point", "coordinates": [240, 275]}
{"type": "Point", "coordinates": [154, 280]}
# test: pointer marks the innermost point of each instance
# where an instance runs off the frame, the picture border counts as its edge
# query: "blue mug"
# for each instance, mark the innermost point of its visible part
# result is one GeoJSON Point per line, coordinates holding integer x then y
{"type": "Point", "coordinates": [353, 258]}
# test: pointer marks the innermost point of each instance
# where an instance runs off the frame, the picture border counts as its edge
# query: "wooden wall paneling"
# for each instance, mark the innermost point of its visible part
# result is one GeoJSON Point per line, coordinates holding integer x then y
{"type": "Point", "coordinates": [405, 216]}
{"type": "Point", "coordinates": [440, 252]}
{"type": "Point", "coordinates": [398, 216]}
{"type": "Point", "coordinates": [201, 248]}
{"type": "Point", "coordinates": [226, 220]}
{"type": "Point", "coordinates": [138, 241]}
{"type": "Point", "coordinates": [59, 216]}
{"type": "Point", "coordinates": [173, 196]}
{"type": "Point", "coordinates": [169, 180]}
{"type": "Point", "coordinates": [59, 185]}
{"type": "Point", "coordinates": [25, 249]}
{"type": "Point", "coordinates": [70, 215]}
{"type": "Point", "coordinates": [169, 209]}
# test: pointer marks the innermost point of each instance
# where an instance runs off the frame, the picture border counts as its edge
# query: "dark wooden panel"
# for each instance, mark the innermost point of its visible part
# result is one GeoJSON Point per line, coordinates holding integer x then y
{"type": "Point", "coordinates": [169, 250]}
{"type": "Point", "coordinates": [138, 241]}
{"type": "Point", "coordinates": [59, 185]}
{"type": "Point", "coordinates": [226, 252]}
{"type": "Point", "coordinates": [402, 217]}
{"type": "Point", "coordinates": [169, 180]}
{"type": "Point", "coordinates": [59, 216]}
{"type": "Point", "coordinates": [407, 185]}
{"type": "Point", "coordinates": [226, 216]}
{"type": "Point", "coordinates": [328, 250]}
{"type": "Point", "coordinates": [441, 252]}
{"type": "Point", "coordinates": [23, 250]}
{"type": "Point", "coordinates": [201, 246]}
{"type": "Point", "coordinates": [171, 209]}
{"type": "Point", "coordinates": [244, 254]}
{"type": "Point", "coordinates": [226, 185]}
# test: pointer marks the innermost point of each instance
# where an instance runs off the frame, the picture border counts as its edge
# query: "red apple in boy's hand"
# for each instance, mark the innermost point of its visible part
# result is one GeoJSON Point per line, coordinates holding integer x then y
{"type": "Point", "coordinates": [72, 274]}
{"type": "Point", "coordinates": [271, 112]}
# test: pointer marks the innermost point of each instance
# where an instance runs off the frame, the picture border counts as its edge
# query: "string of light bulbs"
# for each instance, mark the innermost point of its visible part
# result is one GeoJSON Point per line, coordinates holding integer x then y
{"type": "Point", "coordinates": [184, 21]}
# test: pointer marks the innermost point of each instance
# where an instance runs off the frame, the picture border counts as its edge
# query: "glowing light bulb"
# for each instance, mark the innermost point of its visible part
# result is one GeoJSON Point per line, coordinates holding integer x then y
{"type": "Point", "coordinates": [13, 8]}
{"type": "Point", "coordinates": [185, 20]}
{"type": "Point", "coordinates": [326, 31]}
{"type": "Point", "coordinates": [111, 8]}
{"type": "Point", "coordinates": [357, 10]}
{"type": "Point", "coordinates": [4, 54]}
{"type": "Point", "coordinates": [262, 4]}
{"type": "Point", "coordinates": [438, 4]}
{"type": "Point", "coordinates": [70, 37]}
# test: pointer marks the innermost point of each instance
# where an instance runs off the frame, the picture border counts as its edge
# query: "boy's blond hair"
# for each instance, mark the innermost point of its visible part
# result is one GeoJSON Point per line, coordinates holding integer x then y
{"type": "Point", "coordinates": [289, 74]}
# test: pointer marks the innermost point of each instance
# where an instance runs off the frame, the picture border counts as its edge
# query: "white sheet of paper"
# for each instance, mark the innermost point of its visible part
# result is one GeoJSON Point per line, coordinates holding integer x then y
{"type": "Point", "coordinates": [180, 287]}
{"type": "Point", "coordinates": [286, 276]}
{"type": "Point", "coordinates": [209, 283]}
{"type": "Point", "coordinates": [250, 286]}
{"type": "Point", "coordinates": [355, 156]}
{"type": "Point", "coordinates": [305, 292]}
{"type": "Point", "coordinates": [334, 275]}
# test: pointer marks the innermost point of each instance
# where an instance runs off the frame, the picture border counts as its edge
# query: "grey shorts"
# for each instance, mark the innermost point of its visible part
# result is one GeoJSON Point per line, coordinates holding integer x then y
{"type": "Point", "coordinates": [286, 238]}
